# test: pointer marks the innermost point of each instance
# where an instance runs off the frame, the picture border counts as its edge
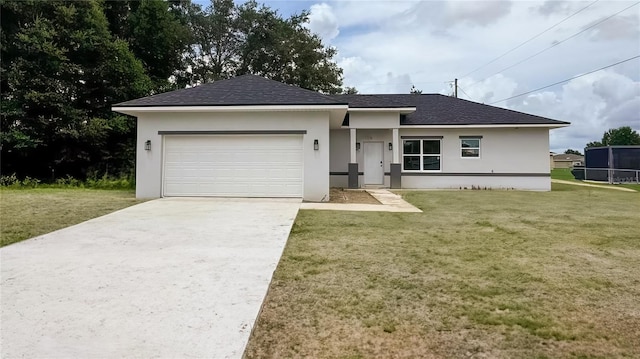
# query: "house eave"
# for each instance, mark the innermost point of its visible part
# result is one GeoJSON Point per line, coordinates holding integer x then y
{"type": "Point", "coordinates": [514, 125]}
{"type": "Point", "coordinates": [134, 110]}
{"type": "Point", "coordinates": [402, 110]}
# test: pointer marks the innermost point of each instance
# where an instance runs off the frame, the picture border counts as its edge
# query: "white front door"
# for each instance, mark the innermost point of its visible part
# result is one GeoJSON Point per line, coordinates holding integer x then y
{"type": "Point", "coordinates": [373, 166]}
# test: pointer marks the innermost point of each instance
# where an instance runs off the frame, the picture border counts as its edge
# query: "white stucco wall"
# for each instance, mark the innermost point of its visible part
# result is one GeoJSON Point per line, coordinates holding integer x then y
{"type": "Point", "coordinates": [529, 183]}
{"type": "Point", "coordinates": [503, 150]}
{"type": "Point", "coordinates": [374, 120]}
{"type": "Point", "coordinates": [515, 152]}
{"type": "Point", "coordinates": [316, 123]}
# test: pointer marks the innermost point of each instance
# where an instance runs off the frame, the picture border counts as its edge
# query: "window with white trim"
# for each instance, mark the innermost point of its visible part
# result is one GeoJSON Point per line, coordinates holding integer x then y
{"type": "Point", "coordinates": [421, 155]}
{"type": "Point", "coordinates": [470, 147]}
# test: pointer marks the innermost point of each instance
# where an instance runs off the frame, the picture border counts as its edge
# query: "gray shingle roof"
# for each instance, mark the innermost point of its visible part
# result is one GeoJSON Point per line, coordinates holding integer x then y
{"type": "Point", "coordinates": [372, 101]}
{"type": "Point", "coordinates": [243, 90]}
{"type": "Point", "coordinates": [248, 90]}
{"type": "Point", "coordinates": [435, 109]}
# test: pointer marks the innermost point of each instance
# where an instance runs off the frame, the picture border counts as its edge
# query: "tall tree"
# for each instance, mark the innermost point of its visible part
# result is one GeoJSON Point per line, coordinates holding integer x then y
{"type": "Point", "coordinates": [235, 39]}
{"type": "Point", "coordinates": [159, 40]}
{"type": "Point", "coordinates": [158, 34]}
{"type": "Point", "coordinates": [61, 71]}
{"type": "Point", "coordinates": [621, 136]}
{"type": "Point", "coordinates": [214, 53]}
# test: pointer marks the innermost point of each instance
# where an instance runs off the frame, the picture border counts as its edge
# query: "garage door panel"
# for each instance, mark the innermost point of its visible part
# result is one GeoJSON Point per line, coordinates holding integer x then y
{"type": "Point", "coordinates": [246, 166]}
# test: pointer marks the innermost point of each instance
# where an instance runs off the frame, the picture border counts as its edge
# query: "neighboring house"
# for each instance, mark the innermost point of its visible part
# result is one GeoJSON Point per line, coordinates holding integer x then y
{"type": "Point", "coordinates": [566, 160]}
{"type": "Point", "coordinates": [249, 136]}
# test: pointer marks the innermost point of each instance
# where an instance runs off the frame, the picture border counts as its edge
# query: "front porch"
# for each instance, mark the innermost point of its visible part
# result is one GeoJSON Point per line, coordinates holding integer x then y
{"type": "Point", "coordinates": [365, 158]}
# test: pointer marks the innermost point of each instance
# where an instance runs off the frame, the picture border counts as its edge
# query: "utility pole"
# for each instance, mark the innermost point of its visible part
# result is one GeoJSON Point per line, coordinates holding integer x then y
{"type": "Point", "coordinates": [455, 88]}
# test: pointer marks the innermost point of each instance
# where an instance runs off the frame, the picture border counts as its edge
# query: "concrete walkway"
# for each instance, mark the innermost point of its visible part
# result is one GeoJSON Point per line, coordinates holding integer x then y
{"type": "Point", "coordinates": [389, 202]}
{"type": "Point", "coordinates": [593, 185]}
{"type": "Point", "coordinates": [169, 278]}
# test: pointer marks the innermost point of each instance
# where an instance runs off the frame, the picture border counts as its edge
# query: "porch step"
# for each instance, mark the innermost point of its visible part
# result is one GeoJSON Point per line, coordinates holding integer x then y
{"type": "Point", "coordinates": [374, 186]}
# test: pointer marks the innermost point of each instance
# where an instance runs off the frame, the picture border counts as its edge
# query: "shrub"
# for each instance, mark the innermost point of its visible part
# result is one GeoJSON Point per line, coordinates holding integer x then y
{"type": "Point", "coordinates": [92, 181]}
{"type": "Point", "coordinates": [10, 181]}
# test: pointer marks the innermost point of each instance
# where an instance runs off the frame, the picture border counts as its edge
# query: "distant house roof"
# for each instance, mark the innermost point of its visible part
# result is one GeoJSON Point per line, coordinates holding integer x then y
{"type": "Point", "coordinates": [245, 90]}
{"type": "Point", "coordinates": [435, 109]}
{"type": "Point", "coordinates": [567, 157]}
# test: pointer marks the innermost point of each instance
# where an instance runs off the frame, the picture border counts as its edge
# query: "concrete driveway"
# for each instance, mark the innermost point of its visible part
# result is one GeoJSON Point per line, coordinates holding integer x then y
{"type": "Point", "coordinates": [169, 278]}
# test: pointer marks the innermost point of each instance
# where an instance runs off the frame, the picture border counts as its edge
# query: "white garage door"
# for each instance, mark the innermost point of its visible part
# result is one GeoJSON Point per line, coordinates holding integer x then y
{"type": "Point", "coordinates": [233, 165]}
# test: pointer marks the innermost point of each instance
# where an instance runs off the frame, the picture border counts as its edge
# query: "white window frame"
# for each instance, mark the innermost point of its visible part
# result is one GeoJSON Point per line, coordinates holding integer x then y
{"type": "Point", "coordinates": [422, 154]}
{"type": "Point", "coordinates": [479, 148]}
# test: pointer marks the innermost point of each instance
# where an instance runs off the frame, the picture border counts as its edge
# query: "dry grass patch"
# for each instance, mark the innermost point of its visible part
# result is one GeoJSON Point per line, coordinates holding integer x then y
{"type": "Point", "coordinates": [341, 195]}
{"type": "Point", "coordinates": [28, 213]}
{"type": "Point", "coordinates": [479, 274]}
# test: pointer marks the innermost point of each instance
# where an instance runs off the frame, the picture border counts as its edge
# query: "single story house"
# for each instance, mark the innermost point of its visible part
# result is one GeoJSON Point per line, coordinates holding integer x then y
{"type": "Point", "coordinates": [253, 137]}
{"type": "Point", "coordinates": [566, 160]}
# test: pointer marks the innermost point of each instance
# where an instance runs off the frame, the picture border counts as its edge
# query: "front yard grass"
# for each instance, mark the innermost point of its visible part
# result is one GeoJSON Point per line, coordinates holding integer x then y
{"type": "Point", "coordinates": [479, 274]}
{"type": "Point", "coordinates": [27, 213]}
{"type": "Point", "coordinates": [566, 175]}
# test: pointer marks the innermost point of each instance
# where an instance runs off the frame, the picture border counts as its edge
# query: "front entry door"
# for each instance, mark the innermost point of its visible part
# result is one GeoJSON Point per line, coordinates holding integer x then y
{"type": "Point", "coordinates": [373, 166]}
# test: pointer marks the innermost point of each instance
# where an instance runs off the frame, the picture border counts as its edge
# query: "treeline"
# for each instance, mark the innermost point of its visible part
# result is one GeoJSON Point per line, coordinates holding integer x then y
{"type": "Point", "coordinates": [64, 63]}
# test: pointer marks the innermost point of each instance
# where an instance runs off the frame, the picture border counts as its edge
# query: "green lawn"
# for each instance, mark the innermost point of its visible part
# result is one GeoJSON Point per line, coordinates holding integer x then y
{"type": "Point", "coordinates": [566, 175]}
{"type": "Point", "coordinates": [562, 174]}
{"type": "Point", "coordinates": [30, 212]}
{"type": "Point", "coordinates": [479, 274]}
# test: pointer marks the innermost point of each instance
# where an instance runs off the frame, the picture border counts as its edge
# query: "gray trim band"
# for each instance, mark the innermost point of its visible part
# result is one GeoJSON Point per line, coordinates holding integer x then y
{"type": "Point", "coordinates": [236, 132]}
{"type": "Point", "coordinates": [422, 137]}
{"type": "Point", "coordinates": [344, 173]}
{"type": "Point", "coordinates": [477, 174]}
{"type": "Point", "coordinates": [347, 173]}
{"type": "Point", "coordinates": [454, 174]}
{"type": "Point", "coordinates": [468, 137]}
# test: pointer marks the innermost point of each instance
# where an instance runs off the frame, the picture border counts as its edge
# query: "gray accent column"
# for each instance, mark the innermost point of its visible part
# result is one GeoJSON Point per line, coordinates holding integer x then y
{"type": "Point", "coordinates": [396, 178]}
{"type": "Point", "coordinates": [353, 175]}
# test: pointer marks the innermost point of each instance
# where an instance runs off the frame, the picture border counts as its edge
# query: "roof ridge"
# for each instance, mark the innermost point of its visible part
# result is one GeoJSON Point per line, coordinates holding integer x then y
{"type": "Point", "coordinates": [247, 89]}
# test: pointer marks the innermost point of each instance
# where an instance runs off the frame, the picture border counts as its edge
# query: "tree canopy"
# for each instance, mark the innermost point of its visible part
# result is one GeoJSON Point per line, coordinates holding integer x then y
{"type": "Point", "coordinates": [61, 70]}
{"type": "Point", "coordinates": [350, 91]}
{"type": "Point", "coordinates": [231, 40]}
{"type": "Point", "coordinates": [572, 152]}
{"type": "Point", "coordinates": [64, 63]}
{"type": "Point", "coordinates": [621, 136]}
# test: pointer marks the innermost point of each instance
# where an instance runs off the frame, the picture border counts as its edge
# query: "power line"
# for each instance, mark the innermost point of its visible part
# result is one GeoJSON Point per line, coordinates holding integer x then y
{"type": "Point", "coordinates": [567, 80]}
{"type": "Point", "coordinates": [464, 92]}
{"type": "Point", "coordinates": [533, 38]}
{"type": "Point", "coordinates": [556, 44]}
{"type": "Point", "coordinates": [401, 83]}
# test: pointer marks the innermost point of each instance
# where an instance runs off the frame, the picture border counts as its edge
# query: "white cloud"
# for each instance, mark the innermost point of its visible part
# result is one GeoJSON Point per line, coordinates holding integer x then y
{"type": "Point", "coordinates": [388, 46]}
{"type": "Point", "coordinates": [480, 13]}
{"type": "Point", "coordinates": [356, 70]}
{"type": "Point", "coordinates": [593, 104]}
{"type": "Point", "coordinates": [618, 27]}
{"type": "Point", "coordinates": [323, 21]}
{"type": "Point", "coordinates": [489, 90]}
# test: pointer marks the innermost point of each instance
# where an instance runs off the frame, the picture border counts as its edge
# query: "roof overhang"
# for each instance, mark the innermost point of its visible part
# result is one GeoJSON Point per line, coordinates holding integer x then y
{"type": "Point", "coordinates": [402, 110]}
{"type": "Point", "coordinates": [515, 125]}
{"type": "Point", "coordinates": [134, 110]}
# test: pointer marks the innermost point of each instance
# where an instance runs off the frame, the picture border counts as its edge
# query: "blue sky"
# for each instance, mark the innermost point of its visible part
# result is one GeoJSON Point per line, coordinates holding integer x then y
{"type": "Point", "coordinates": [388, 46]}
